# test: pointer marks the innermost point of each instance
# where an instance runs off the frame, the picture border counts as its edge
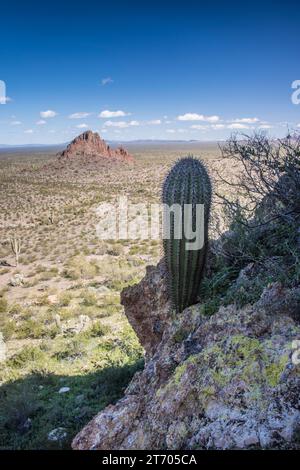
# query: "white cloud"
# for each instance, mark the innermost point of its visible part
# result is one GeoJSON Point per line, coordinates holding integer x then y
{"type": "Point", "coordinates": [238, 125]}
{"type": "Point", "coordinates": [298, 125]}
{"type": "Point", "coordinates": [82, 126]}
{"type": "Point", "coordinates": [106, 81]}
{"type": "Point", "coordinates": [154, 122]}
{"type": "Point", "coordinates": [171, 131]}
{"type": "Point", "coordinates": [199, 127]}
{"type": "Point", "coordinates": [246, 120]}
{"type": "Point", "coordinates": [79, 115]}
{"type": "Point", "coordinates": [121, 124]}
{"type": "Point", "coordinates": [28, 131]}
{"type": "Point", "coordinates": [265, 126]}
{"type": "Point", "coordinates": [111, 114]}
{"type": "Point", "coordinates": [211, 118]}
{"type": "Point", "coordinates": [217, 126]}
{"type": "Point", "coordinates": [48, 114]}
{"type": "Point", "coordinates": [40, 122]}
{"type": "Point", "coordinates": [197, 117]}
{"type": "Point", "coordinates": [15, 123]}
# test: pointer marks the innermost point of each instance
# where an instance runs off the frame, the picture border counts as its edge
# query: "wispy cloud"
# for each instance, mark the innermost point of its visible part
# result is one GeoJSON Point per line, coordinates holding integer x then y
{"type": "Point", "coordinates": [106, 113]}
{"type": "Point", "coordinates": [199, 127]}
{"type": "Point", "coordinates": [121, 124]}
{"type": "Point", "coordinates": [171, 131]}
{"type": "Point", "coordinates": [197, 117]}
{"type": "Point", "coordinates": [246, 120]}
{"type": "Point", "coordinates": [154, 122]}
{"type": "Point", "coordinates": [41, 122]}
{"type": "Point", "coordinates": [238, 125]}
{"type": "Point", "coordinates": [265, 126]}
{"type": "Point", "coordinates": [82, 126]}
{"type": "Point", "coordinates": [106, 81]}
{"type": "Point", "coordinates": [28, 131]}
{"type": "Point", "coordinates": [48, 114]}
{"type": "Point", "coordinates": [79, 115]}
{"type": "Point", "coordinates": [15, 123]}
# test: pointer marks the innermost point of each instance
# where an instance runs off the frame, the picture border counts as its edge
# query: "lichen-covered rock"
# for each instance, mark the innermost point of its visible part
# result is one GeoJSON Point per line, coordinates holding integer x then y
{"type": "Point", "coordinates": [223, 382]}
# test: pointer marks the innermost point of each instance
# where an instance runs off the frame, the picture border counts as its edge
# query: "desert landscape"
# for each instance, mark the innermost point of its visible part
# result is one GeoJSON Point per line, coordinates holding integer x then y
{"type": "Point", "coordinates": [81, 315]}
{"type": "Point", "coordinates": [61, 318]}
{"type": "Point", "coordinates": [149, 232]}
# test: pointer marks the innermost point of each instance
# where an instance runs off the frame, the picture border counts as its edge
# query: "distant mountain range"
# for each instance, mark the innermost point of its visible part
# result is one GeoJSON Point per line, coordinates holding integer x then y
{"type": "Point", "coordinates": [111, 142]}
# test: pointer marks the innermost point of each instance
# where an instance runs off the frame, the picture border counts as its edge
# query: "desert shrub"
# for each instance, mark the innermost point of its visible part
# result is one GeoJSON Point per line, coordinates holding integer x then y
{"type": "Point", "coordinates": [96, 330]}
{"type": "Point", "coordinates": [72, 349]}
{"type": "Point", "coordinates": [3, 305]}
{"type": "Point", "coordinates": [263, 223]}
{"type": "Point", "coordinates": [48, 274]}
{"type": "Point", "coordinates": [66, 313]}
{"type": "Point", "coordinates": [27, 355]}
{"type": "Point", "coordinates": [65, 299]}
{"type": "Point", "coordinates": [115, 250]}
{"type": "Point", "coordinates": [79, 268]}
{"type": "Point", "coordinates": [89, 298]}
{"type": "Point", "coordinates": [30, 328]}
{"type": "Point", "coordinates": [264, 219]}
{"type": "Point", "coordinates": [7, 328]}
{"type": "Point", "coordinates": [269, 182]}
{"type": "Point", "coordinates": [19, 410]}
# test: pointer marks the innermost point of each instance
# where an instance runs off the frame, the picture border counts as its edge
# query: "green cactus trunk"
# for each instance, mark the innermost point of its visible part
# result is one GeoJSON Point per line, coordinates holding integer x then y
{"type": "Point", "coordinates": [187, 183]}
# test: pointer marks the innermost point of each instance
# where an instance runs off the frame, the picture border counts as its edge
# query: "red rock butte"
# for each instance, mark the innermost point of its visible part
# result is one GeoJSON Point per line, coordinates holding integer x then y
{"type": "Point", "coordinates": [89, 144]}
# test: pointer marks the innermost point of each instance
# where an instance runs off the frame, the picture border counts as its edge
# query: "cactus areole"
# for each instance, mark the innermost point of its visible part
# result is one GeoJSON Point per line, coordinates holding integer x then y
{"type": "Point", "coordinates": [186, 198]}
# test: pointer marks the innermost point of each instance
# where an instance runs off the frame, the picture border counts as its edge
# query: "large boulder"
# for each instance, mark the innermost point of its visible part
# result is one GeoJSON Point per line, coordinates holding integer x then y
{"type": "Point", "coordinates": [222, 382]}
{"type": "Point", "coordinates": [147, 307]}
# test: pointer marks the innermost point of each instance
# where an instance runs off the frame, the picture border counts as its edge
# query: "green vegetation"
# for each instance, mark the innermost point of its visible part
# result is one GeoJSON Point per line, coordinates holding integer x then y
{"type": "Point", "coordinates": [92, 365]}
{"type": "Point", "coordinates": [262, 245]}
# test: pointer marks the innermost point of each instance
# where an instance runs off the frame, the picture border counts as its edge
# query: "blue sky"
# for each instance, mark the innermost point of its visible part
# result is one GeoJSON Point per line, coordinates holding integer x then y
{"type": "Point", "coordinates": [142, 70]}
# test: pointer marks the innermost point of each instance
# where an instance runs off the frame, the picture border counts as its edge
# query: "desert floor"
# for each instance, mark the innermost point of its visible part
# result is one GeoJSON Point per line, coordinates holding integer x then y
{"type": "Point", "coordinates": [69, 348]}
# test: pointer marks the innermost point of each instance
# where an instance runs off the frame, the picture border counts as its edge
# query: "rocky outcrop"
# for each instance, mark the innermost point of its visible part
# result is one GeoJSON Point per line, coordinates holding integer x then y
{"type": "Point", "coordinates": [147, 307]}
{"type": "Point", "coordinates": [228, 381]}
{"type": "Point", "coordinates": [90, 144]}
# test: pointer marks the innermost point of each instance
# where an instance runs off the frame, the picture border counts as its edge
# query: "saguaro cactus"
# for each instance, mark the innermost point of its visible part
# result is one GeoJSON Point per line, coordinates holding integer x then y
{"type": "Point", "coordinates": [188, 186]}
{"type": "Point", "coordinates": [15, 244]}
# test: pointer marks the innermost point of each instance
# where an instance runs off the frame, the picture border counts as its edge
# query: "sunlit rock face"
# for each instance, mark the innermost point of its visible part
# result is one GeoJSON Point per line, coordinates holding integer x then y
{"type": "Point", "coordinates": [90, 144]}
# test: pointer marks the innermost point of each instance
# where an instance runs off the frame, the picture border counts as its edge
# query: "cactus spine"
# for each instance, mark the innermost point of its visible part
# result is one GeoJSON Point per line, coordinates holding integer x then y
{"type": "Point", "coordinates": [187, 183]}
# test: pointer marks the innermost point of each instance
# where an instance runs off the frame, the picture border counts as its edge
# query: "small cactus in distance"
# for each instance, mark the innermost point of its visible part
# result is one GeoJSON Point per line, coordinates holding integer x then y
{"type": "Point", "coordinates": [15, 244]}
{"type": "Point", "coordinates": [187, 183]}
